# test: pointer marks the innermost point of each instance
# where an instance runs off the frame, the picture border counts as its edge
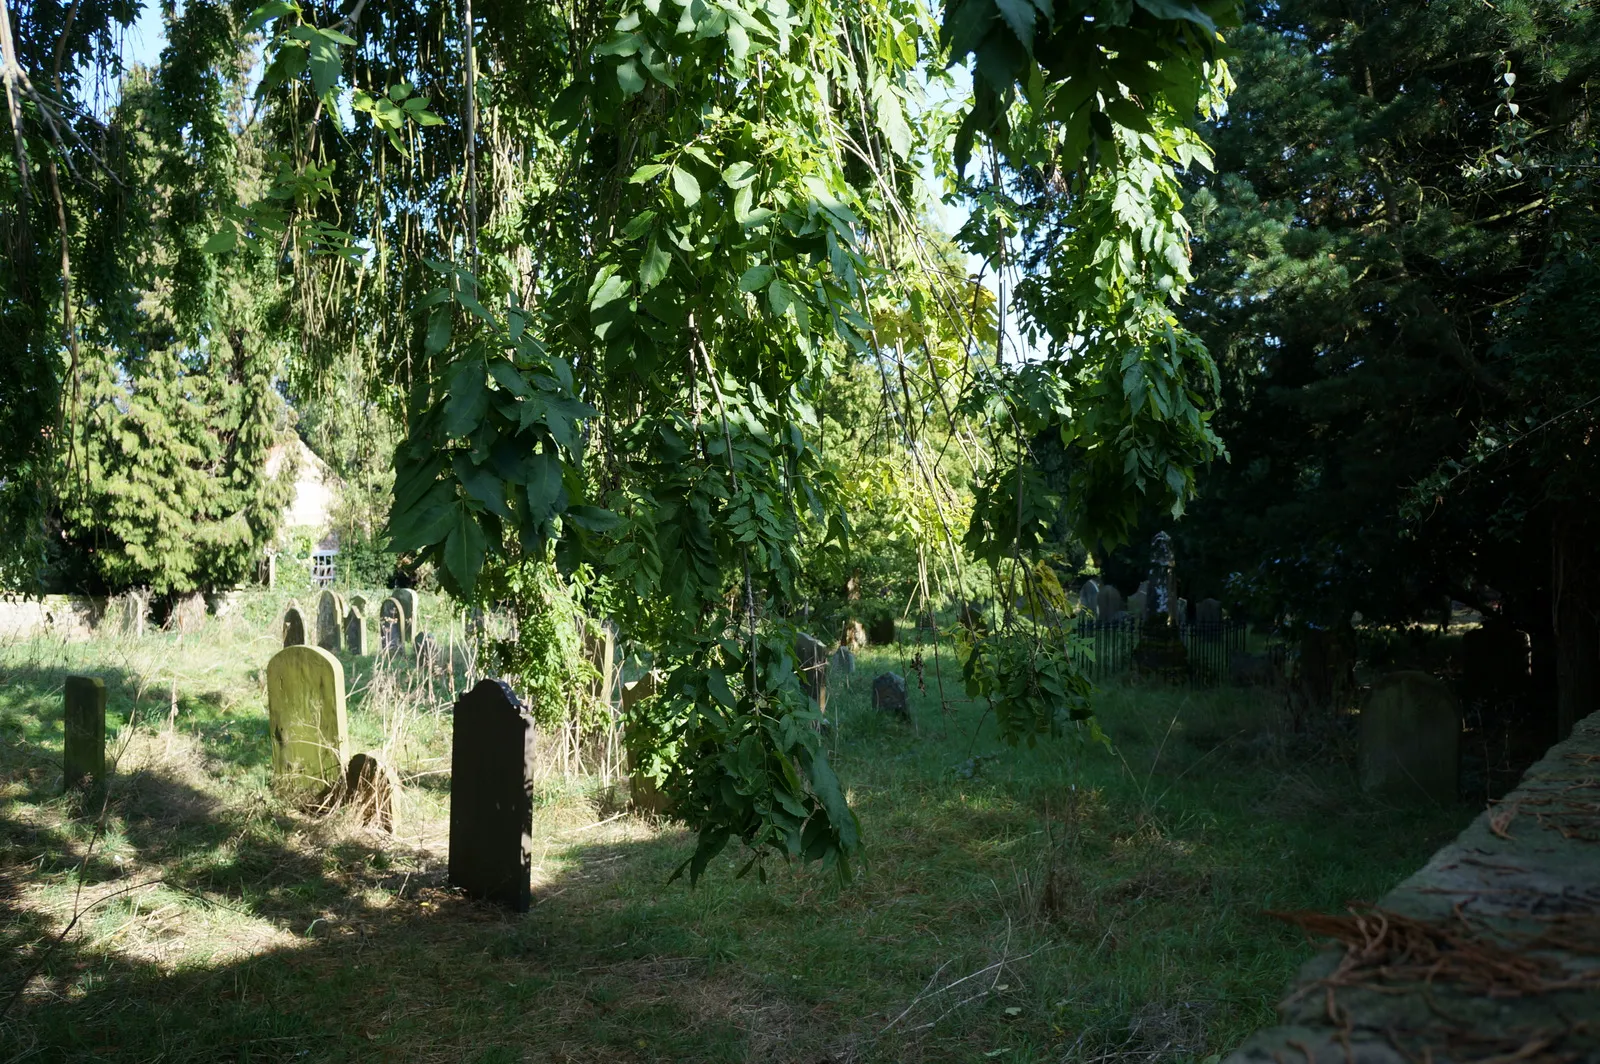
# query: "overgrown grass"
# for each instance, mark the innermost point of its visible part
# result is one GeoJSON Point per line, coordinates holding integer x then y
{"type": "Point", "coordinates": [1061, 903]}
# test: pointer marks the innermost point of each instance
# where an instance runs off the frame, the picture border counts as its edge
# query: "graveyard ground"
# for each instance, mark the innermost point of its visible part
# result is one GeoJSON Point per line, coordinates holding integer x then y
{"type": "Point", "coordinates": [1060, 903]}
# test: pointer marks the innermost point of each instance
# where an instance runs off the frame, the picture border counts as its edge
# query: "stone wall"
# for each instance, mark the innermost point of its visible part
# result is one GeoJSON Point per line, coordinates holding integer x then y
{"type": "Point", "coordinates": [69, 616]}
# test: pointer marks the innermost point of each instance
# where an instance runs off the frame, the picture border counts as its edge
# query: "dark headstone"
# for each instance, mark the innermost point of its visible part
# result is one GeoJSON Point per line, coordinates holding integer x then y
{"type": "Point", "coordinates": [1163, 589]}
{"type": "Point", "coordinates": [889, 695]}
{"type": "Point", "coordinates": [391, 627]}
{"type": "Point", "coordinates": [328, 617]}
{"type": "Point", "coordinates": [1089, 595]}
{"type": "Point", "coordinates": [1136, 605]}
{"type": "Point", "coordinates": [1208, 613]}
{"type": "Point", "coordinates": [813, 668]}
{"type": "Point", "coordinates": [1110, 603]}
{"type": "Point", "coordinates": [355, 631]}
{"type": "Point", "coordinates": [294, 627]}
{"type": "Point", "coordinates": [881, 632]}
{"type": "Point", "coordinates": [411, 604]}
{"type": "Point", "coordinates": [369, 787]}
{"type": "Point", "coordinates": [1411, 739]}
{"type": "Point", "coordinates": [842, 661]}
{"type": "Point", "coordinates": [491, 796]}
{"type": "Point", "coordinates": [84, 756]}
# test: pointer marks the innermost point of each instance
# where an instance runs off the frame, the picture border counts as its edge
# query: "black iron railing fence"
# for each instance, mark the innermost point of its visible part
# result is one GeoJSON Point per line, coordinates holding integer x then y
{"type": "Point", "coordinates": [1104, 649]}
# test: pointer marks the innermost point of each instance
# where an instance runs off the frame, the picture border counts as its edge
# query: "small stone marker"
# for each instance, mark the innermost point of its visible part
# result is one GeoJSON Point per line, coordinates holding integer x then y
{"type": "Point", "coordinates": [842, 661]}
{"type": "Point", "coordinates": [328, 616]}
{"type": "Point", "coordinates": [370, 786]}
{"type": "Point", "coordinates": [889, 695]}
{"type": "Point", "coordinates": [1411, 738]}
{"type": "Point", "coordinates": [881, 632]}
{"type": "Point", "coordinates": [410, 602]}
{"type": "Point", "coordinates": [306, 718]}
{"type": "Point", "coordinates": [84, 753]}
{"type": "Point", "coordinates": [1108, 603]}
{"type": "Point", "coordinates": [355, 631]}
{"type": "Point", "coordinates": [1208, 613]}
{"type": "Point", "coordinates": [391, 627]}
{"type": "Point", "coordinates": [491, 796]}
{"type": "Point", "coordinates": [294, 626]}
{"type": "Point", "coordinates": [813, 669]}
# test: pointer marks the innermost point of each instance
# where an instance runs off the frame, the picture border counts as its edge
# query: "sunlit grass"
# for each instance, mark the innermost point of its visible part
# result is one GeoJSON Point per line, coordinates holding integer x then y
{"type": "Point", "coordinates": [1063, 902]}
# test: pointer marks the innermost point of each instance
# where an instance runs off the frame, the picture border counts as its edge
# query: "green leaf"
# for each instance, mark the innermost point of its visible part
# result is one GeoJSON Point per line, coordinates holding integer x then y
{"type": "Point", "coordinates": [630, 77]}
{"type": "Point", "coordinates": [464, 550]}
{"type": "Point", "coordinates": [655, 265]}
{"type": "Point", "coordinates": [640, 224]}
{"type": "Point", "coordinates": [756, 278]}
{"type": "Point", "coordinates": [594, 518]}
{"type": "Point", "coordinates": [438, 336]}
{"type": "Point", "coordinates": [780, 298]}
{"type": "Point", "coordinates": [646, 172]}
{"type": "Point", "coordinates": [223, 240]}
{"type": "Point", "coordinates": [1179, 11]}
{"type": "Point", "coordinates": [468, 400]}
{"type": "Point", "coordinates": [482, 485]}
{"type": "Point", "coordinates": [267, 12]}
{"type": "Point", "coordinates": [687, 186]}
{"type": "Point", "coordinates": [717, 684]}
{"type": "Point", "coordinates": [740, 174]}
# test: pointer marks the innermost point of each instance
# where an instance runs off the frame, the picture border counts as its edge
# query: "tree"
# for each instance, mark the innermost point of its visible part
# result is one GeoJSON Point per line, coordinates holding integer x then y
{"type": "Point", "coordinates": [1400, 192]}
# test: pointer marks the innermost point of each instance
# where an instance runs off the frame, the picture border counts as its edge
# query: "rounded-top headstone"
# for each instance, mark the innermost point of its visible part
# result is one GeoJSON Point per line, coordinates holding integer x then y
{"type": "Point", "coordinates": [294, 626]}
{"type": "Point", "coordinates": [328, 618]}
{"type": "Point", "coordinates": [1411, 739]}
{"type": "Point", "coordinates": [889, 695]}
{"type": "Point", "coordinates": [391, 626]}
{"type": "Point", "coordinates": [355, 632]}
{"type": "Point", "coordinates": [1109, 603]}
{"type": "Point", "coordinates": [410, 602]}
{"type": "Point", "coordinates": [306, 717]}
{"type": "Point", "coordinates": [1089, 595]}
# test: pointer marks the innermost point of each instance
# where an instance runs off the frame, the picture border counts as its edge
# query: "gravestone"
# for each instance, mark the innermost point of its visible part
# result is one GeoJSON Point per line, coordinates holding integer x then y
{"type": "Point", "coordinates": [643, 794]}
{"type": "Point", "coordinates": [294, 626]}
{"type": "Point", "coordinates": [355, 631]}
{"type": "Point", "coordinates": [889, 695]}
{"type": "Point", "coordinates": [1109, 603]}
{"type": "Point", "coordinates": [188, 613]}
{"type": "Point", "coordinates": [370, 787]}
{"type": "Point", "coordinates": [491, 796]}
{"type": "Point", "coordinates": [391, 627]}
{"type": "Point", "coordinates": [881, 631]}
{"type": "Point", "coordinates": [83, 759]}
{"type": "Point", "coordinates": [1208, 613]}
{"type": "Point", "coordinates": [410, 602]}
{"type": "Point", "coordinates": [306, 718]}
{"type": "Point", "coordinates": [328, 617]}
{"type": "Point", "coordinates": [1162, 587]}
{"type": "Point", "coordinates": [425, 651]}
{"type": "Point", "coordinates": [1411, 739]}
{"type": "Point", "coordinates": [813, 668]}
{"type": "Point", "coordinates": [1136, 605]}
{"type": "Point", "coordinates": [1089, 596]}
{"type": "Point", "coordinates": [842, 661]}
{"type": "Point", "coordinates": [360, 602]}
{"type": "Point", "coordinates": [1183, 611]}
{"type": "Point", "coordinates": [854, 636]}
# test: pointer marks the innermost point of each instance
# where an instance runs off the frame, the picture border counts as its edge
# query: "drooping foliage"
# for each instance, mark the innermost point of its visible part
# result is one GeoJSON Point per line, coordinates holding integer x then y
{"type": "Point", "coordinates": [604, 261]}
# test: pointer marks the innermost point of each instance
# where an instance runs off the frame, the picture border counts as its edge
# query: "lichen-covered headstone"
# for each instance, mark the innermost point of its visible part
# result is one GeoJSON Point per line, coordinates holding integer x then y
{"type": "Point", "coordinates": [306, 718]}
{"type": "Point", "coordinates": [813, 668]}
{"type": "Point", "coordinates": [328, 618]}
{"type": "Point", "coordinates": [391, 627]}
{"type": "Point", "coordinates": [125, 614]}
{"type": "Point", "coordinates": [410, 602]}
{"type": "Point", "coordinates": [889, 695]}
{"type": "Point", "coordinates": [84, 753]}
{"type": "Point", "coordinates": [1411, 739]}
{"type": "Point", "coordinates": [294, 626]}
{"type": "Point", "coordinates": [355, 632]}
{"type": "Point", "coordinates": [491, 796]}
{"type": "Point", "coordinates": [842, 661]}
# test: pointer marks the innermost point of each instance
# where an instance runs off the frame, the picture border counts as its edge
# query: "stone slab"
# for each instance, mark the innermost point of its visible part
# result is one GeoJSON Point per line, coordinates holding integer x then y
{"type": "Point", "coordinates": [83, 759]}
{"type": "Point", "coordinates": [491, 796]}
{"type": "Point", "coordinates": [306, 718]}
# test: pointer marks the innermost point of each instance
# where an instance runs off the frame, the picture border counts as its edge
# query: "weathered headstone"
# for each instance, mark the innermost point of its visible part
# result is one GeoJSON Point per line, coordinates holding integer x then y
{"type": "Point", "coordinates": [426, 653]}
{"type": "Point", "coordinates": [881, 631]}
{"type": "Point", "coordinates": [355, 631]}
{"type": "Point", "coordinates": [1136, 605]}
{"type": "Point", "coordinates": [410, 602]}
{"type": "Point", "coordinates": [294, 626]}
{"type": "Point", "coordinates": [491, 796]}
{"type": "Point", "coordinates": [1089, 596]}
{"type": "Point", "coordinates": [188, 613]}
{"type": "Point", "coordinates": [1163, 586]}
{"type": "Point", "coordinates": [1109, 606]}
{"type": "Point", "coordinates": [842, 661]}
{"type": "Point", "coordinates": [306, 717]}
{"type": "Point", "coordinates": [370, 787]}
{"type": "Point", "coordinates": [854, 635]}
{"type": "Point", "coordinates": [1411, 738]}
{"type": "Point", "coordinates": [1208, 613]}
{"type": "Point", "coordinates": [84, 752]}
{"type": "Point", "coordinates": [889, 695]}
{"type": "Point", "coordinates": [813, 668]}
{"type": "Point", "coordinates": [391, 627]}
{"type": "Point", "coordinates": [328, 618]}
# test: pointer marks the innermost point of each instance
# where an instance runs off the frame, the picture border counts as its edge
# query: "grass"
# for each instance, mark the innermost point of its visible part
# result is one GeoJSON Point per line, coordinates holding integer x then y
{"type": "Point", "coordinates": [1053, 904]}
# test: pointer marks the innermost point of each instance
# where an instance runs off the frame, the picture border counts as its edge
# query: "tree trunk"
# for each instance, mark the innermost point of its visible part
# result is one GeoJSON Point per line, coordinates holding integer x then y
{"type": "Point", "coordinates": [1577, 630]}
